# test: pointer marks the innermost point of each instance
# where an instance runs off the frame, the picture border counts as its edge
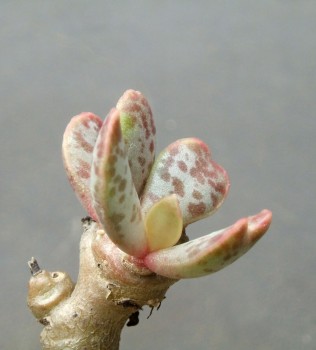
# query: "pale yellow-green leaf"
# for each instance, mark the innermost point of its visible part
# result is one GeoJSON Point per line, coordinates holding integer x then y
{"type": "Point", "coordinates": [164, 223]}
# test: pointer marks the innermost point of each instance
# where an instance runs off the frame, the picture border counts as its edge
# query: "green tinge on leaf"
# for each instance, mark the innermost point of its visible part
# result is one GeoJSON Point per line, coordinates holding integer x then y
{"type": "Point", "coordinates": [138, 131]}
{"type": "Point", "coordinates": [210, 253]}
{"type": "Point", "coordinates": [186, 169]}
{"type": "Point", "coordinates": [163, 223]}
{"type": "Point", "coordinates": [78, 143]}
{"type": "Point", "coordinates": [114, 196]}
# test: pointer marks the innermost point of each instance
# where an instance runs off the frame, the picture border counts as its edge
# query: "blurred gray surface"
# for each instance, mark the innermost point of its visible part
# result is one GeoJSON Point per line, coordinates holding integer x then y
{"type": "Point", "coordinates": [238, 74]}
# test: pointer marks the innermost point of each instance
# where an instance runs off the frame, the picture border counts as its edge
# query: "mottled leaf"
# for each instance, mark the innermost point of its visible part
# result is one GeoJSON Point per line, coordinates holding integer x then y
{"type": "Point", "coordinates": [210, 253]}
{"type": "Point", "coordinates": [114, 196]}
{"type": "Point", "coordinates": [139, 131]}
{"type": "Point", "coordinates": [164, 223]}
{"type": "Point", "coordinates": [186, 169]}
{"type": "Point", "coordinates": [78, 143]}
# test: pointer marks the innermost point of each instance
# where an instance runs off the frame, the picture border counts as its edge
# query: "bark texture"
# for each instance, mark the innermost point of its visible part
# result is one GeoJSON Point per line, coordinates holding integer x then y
{"type": "Point", "coordinates": [110, 290]}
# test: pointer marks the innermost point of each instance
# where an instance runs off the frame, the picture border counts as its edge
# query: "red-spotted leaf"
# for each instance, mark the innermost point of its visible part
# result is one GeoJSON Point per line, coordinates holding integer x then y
{"type": "Point", "coordinates": [139, 131]}
{"type": "Point", "coordinates": [78, 143]}
{"type": "Point", "coordinates": [208, 254]}
{"type": "Point", "coordinates": [164, 223]}
{"type": "Point", "coordinates": [186, 169]}
{"type": "Point", "coordinates": [114, 196]}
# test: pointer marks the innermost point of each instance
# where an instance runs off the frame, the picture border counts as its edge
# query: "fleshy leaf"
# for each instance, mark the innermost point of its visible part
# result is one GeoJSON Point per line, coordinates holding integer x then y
{"type": "Point", "coordinates": [164, 223]}
{"type": "Point", "coordinates": [114, 196]}
{"type": "Point", "coordinates": [78, 143]}
{"type": "Point", "coordinates": [186, 169]}
{"type": "Point", "coordinates": [139, 131]}
{"type": "Point", "coordinates": [210, 253]}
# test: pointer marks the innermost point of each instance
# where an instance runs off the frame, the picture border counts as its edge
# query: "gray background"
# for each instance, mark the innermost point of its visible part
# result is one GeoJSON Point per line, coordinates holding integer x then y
{"type": "Point", "coordinates": [240, 75]}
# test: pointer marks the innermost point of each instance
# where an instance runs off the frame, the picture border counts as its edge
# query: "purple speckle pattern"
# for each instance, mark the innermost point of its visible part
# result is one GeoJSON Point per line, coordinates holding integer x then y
{"type": "Point", "coordinates": [113, 192]}
{"type": "Point", "coordinates": [212, 252]}
{"type": "Point", "coordinates": [78, 143]}
{"type": "Point", "coordinates": [138, 129]}
{"type": "Point", "coordinates": [185, 168]}
{"type": "Point", "coordinates": [112, 169]}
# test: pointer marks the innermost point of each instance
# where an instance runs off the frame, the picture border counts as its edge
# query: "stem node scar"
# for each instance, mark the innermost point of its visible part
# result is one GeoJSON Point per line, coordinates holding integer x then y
{"type": "Point", "coordinates": [34, 267]}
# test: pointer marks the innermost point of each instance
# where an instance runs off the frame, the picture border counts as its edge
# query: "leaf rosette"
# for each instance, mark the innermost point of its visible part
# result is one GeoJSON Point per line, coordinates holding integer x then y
{"type": "Point", "coordinates": [145, 203]}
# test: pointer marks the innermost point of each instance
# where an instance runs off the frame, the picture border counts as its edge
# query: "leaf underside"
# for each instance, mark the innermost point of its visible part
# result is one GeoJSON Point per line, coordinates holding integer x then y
{"type": "Point", "coordinates": [186, 169]}
{"type": "Point", "coordinates": [210, 253]}
{"type": "Point", "coordinates": [114, 196]}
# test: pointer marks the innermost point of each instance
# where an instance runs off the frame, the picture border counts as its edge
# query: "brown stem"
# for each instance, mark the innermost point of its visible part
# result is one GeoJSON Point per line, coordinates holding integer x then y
{"type": "Point", "coordinates": [111, 288]}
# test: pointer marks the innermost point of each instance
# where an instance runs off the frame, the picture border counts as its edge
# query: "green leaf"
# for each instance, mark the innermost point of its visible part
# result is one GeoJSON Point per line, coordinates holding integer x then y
{"type": "Point", "coordinates": [77, 149]}
{"type": "Point", "coordinates": [114, 196]}
{"type": "Point", "coordinates": [186, 169]}
{"type": "Point", "coordinates": [139, 131]}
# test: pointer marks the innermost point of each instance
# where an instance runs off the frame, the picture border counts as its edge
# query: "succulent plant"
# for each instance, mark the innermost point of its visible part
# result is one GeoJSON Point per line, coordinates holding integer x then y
{"type": "Point", "coordinates": [144, 203]}
{"type": "Point", "coordinates": [134, 245]}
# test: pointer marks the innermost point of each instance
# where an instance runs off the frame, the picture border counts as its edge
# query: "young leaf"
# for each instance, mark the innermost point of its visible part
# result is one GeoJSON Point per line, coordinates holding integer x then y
{"type": "Point", "coordinates": [78, 143]}
{"type": "Point", "coordinates": [114, 196]}
{"type": "Point", "coordinates": [186, 169]}
{"type": "Point", "coordinates": [210, 253]}
{"type": "Point", "coordinates": [163, 223]}
{"type": "Point", "coordinates": [139, 131]}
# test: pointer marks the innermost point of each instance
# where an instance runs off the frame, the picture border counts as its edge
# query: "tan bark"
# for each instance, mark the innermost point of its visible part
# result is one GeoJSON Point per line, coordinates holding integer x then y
{"type": "Point", "coordinates": [111, 288]}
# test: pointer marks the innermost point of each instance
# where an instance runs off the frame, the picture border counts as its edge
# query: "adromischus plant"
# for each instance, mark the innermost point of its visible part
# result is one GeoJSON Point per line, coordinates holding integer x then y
{"type": "Point", "coordinates": [143, 205]}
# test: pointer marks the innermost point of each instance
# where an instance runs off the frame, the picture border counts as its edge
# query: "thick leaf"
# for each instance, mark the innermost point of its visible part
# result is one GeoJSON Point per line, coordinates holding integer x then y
{"type": "Point", "coordinates": [210, 253]}
{"type": "Point", "coordinates": [114, 196]}
{"type": "Point", "coordinates": [164, 223]}
{"type": "Point", "coordinates": [186, 169]}
{"type": "Point", "coordinates": [139, 131]}
{"type": "Point", "coordinates": [78, 143]}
